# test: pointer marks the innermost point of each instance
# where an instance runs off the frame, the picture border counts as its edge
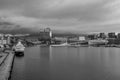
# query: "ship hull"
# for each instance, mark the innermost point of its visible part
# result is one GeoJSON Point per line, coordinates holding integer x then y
{"type": "Point", "coordinates": [19, 49]}
{"type": "Point", "coordinates": [97, 42]}
{"type": "Point", "coordinates": [19, 53]}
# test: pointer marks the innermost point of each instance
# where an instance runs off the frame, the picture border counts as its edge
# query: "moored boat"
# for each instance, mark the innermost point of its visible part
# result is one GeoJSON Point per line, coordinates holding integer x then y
{"type": "Point", "coordinates": [97, 42]}
{"type": "Point", "coordinates": [60, 45]}
{"type": "Point", "coordinates": [19, 49]}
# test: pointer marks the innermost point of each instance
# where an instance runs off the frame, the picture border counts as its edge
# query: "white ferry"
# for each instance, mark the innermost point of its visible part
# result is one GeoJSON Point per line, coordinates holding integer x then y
{"type": "Point", "coordinates": [19, 48]}
{"type": "Point", "coordinates": [97, 42]}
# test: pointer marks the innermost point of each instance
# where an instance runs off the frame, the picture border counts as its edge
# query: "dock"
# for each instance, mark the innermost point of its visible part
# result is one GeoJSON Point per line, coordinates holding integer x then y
{"type": "Point", "coordinates": [6, 64]}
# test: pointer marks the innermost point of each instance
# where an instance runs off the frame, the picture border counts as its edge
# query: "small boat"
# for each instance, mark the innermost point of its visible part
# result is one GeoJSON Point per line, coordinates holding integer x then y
{"type": "Point", "coordinates": [60, 45]}
{"type": "Point", "coordinates": [19, 49]}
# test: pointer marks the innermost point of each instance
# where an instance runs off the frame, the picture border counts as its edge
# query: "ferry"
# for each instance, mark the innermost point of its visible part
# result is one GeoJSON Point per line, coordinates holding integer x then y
{"type": "Point", "coordinates": [97, 42]}
{"type": "Point", "coordinates": [19, 48]}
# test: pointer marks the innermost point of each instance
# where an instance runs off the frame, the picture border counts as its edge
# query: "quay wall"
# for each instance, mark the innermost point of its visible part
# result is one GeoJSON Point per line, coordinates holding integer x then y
{"type": "Point", "coordinates": [6, 67]}
{"type": "Point", "coordinates": [3, 59]}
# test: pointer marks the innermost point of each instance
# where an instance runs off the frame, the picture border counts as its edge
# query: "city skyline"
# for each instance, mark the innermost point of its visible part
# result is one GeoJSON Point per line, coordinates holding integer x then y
{"type": "Point", "coordinates": [75, 15]}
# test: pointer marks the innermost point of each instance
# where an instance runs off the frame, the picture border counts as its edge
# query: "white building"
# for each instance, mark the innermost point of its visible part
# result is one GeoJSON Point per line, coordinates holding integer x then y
{"type": "Point", "coordinates": [4, 39]}
{"type": "Point", "coordinates": [81, 38]}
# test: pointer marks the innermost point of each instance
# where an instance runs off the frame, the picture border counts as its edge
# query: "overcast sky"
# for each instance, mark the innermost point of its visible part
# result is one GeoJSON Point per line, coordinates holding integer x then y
{"type": "Point", "coordinates": [77, 15]}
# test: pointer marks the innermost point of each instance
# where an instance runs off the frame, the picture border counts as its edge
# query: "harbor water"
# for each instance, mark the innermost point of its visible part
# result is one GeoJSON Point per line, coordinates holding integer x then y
{"type": "Point", "coordinates": [67, 63]}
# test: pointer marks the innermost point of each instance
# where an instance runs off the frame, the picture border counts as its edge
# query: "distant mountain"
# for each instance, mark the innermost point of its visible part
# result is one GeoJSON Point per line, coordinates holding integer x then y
{"type": "Point", "coordinates": [16, 31]}
{"type": "Point", "coordinates": [12, 28]}
{"type": "Point", "coordinates": [7, 27]}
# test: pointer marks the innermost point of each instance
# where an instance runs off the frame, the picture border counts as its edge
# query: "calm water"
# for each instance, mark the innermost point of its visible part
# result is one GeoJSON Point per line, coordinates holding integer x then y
{"type": "Point", "coordinates": [68, 63]}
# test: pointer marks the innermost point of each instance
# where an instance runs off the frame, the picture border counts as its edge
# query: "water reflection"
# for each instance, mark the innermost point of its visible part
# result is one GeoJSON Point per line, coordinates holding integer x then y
{"type": "Point", "coordinates": [19, 69]}
{"type": "Point", "coordinates": [90, 63]}
{"type": "Point", "coordinates": [68, 63]}
{"type": "Point", "coordinates": [45, 52]}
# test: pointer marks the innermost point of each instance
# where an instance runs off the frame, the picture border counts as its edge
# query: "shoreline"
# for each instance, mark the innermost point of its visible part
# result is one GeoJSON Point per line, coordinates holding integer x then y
{"type": "Point", "coordinates": [6, 67]}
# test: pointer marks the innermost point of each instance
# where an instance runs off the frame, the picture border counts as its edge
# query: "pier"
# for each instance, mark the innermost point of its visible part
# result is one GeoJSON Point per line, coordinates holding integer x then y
{"type": "Point", "coordinates": [6, 65]}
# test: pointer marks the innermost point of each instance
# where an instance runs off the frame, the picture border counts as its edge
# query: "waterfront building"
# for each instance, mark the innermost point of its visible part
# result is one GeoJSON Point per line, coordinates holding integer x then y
{"type": "Point", "coordinates": [112, 35]}
{"type": "Point", "coordinates": [102, 35]}
{"type": "Point", "coordinates": [112, 38]}
{"type": "Point", "coordinates": [118, 35]}
{"type": "Point", "coordinates": [82, 38]}
{"type": "Point", "coordinates": [2, 39]}
{"type": "Point", "coordinates": [5, 39]}
{"type": "Point", "coordinates": [92, 36]}
{"type": "Point", "coordinates": [60, 38]}
{"type": "Point", "coordinates": [45, 35]}
{"type": "Point", "coordinates": [8, 38]}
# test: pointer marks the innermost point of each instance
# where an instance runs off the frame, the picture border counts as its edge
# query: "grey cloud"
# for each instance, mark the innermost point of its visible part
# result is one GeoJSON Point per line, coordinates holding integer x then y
{"type": "Point", "coordinates": [36, 8]}
{"type": "Point", "coordinates": [87, 13]}
{"type": "Point", "coordinates": [61, 16]}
